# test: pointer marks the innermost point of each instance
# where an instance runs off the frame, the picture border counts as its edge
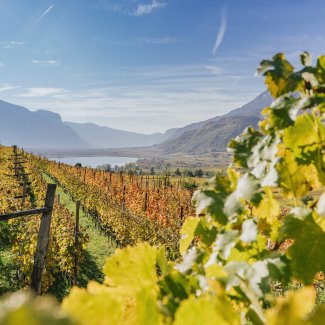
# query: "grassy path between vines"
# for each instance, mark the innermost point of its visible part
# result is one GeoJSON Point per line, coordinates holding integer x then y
{"type": "Point", "coordinates": [98, 247]}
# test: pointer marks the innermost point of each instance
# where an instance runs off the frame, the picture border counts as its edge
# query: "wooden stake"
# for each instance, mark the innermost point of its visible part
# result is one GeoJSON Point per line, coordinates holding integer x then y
{"type": "Point", "coordinates": [145, 205]}
{"type": "Point", "coordinates": [43, 240]}
{"type": "Point", "coordinates": [24, 194]}
{"type": "Point", "coordinates": [76, 242]}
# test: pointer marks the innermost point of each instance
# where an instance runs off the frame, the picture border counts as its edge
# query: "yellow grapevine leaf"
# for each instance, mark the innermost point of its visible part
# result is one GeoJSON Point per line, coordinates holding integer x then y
{"type": "Point", "coordinates": [187, 233]}
{"type": "Point", "coordinates": [207, 311]}
{"type": "Point", "coordinates": [292, 309]}
{"type": "Point", "coordinates": [132, 267]}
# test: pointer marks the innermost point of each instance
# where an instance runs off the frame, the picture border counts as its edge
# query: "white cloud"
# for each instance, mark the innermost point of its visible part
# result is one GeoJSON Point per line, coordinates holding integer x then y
{"type": "Point", "coordinates": [214, 69]}
{"type": "Point", "coordinates": [11, 44]}
{"type": "Point", "coordinates": [41, 92]}
{"type": "Point", "coordinates": [131, 7]}
{"type": "Point", "coordinates": [148, 98]}
{"type": "Point", "coordinates": [5, 87]}
{"type": "Point", "coordinates": [221, 32]}
{"type": "Point", "coordinates": [144, 9]}
{"type": "Point", "coordinates": [154, 98]}
{"type": "Point", "coordinates": [46, 62]}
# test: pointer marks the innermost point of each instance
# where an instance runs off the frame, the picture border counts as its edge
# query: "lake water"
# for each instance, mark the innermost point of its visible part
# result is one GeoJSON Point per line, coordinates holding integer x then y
{"type": "Point", "coordinates": [96, 161]}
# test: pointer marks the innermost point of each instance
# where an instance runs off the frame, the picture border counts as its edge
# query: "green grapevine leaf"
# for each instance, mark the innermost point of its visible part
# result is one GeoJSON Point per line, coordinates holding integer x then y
{"type": "Point", "coordinates": [306, 59]}
{"type": "Point", "coordinates": [248, 189]}
{"type": "Point", "coordinates": [307, 253]}
{"type": "Point", "coordinates": [320, 67]}
{"type": "Point", "coordinates": [279, 76]}
{"type": "Point", "coordinates": [242, 146]}
{"type": "Point", "coordinates": [206, 232]}
{"type": "Point", "coordinates": [256, 278]}
{"type": "Point", "coordinates": [211, 201]}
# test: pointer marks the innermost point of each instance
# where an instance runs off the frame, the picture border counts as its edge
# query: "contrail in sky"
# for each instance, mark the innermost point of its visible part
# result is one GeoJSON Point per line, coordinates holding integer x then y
{"type": "Point", "coordinates": [45, 13]}
{"type": "Point", "coordinates": [222, 30]}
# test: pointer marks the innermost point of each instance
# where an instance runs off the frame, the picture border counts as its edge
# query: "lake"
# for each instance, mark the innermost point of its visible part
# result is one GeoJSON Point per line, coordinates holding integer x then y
{"type": "Point", "coordinates": [95, 161]}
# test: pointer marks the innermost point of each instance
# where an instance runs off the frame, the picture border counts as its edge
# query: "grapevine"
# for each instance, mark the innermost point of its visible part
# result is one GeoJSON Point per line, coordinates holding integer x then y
{"type": "Point", "coordinates": [130, 208]}
{"type": "Point", "coordinates": [229, 261]}
{"type": "Point", "coordinates": [23, 231]}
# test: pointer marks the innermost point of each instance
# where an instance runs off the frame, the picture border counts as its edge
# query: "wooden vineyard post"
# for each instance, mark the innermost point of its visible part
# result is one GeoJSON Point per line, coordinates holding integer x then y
{"type": "Point", "coordinates": [145, 205]}
{"type": "Point", "coordinates": [43, 240]}
{"type": "Point", "coordinates": [76, 242]}
{"type": "Point", "coordinates": [15, 161]}
{"type": "Point", "coordinates": [23, 194]}
{"type": "Point", "coordinates": [181, 215]}
{"type": "Point", "coordinates": [124, 196]}
{"type": "Point", "coordinates": [59, 199]}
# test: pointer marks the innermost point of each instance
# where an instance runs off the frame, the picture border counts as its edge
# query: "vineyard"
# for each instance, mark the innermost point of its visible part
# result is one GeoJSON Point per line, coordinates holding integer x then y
{"type": "Point", "coordinates": [127, 208]}
{"type": "Point", "coordinates": [22, 187]}
{"type": "Point", "coordinates": [229, 253]}
{"type": "Point", "coordinates": [130, 208]}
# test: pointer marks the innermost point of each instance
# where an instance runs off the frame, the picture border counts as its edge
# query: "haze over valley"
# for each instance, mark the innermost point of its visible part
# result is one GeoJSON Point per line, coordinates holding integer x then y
{"type": "Point", "coordinates": [45, 131]}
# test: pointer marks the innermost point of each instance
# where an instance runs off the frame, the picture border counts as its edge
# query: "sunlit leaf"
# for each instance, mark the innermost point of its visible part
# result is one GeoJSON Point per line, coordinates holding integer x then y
{"type": "Point", "coordinates": [132, 267]}
{"type": "Point", "coordinates": [307, 253]}
{"type": "Point", "coordinates": [206, 311]}
{"type": "Point", "coordinates": [24, 308]}
{"type": "Point", "coordinates": [188, 233]}
{"type": "Point", "coordinates": [292, 309]}
{"type": "Point", "coordinates": [279, 76]}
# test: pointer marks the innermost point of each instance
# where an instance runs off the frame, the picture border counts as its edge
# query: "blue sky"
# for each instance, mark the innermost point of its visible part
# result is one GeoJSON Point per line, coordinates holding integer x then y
{"type": "Point", "coordinates": [147, 65]}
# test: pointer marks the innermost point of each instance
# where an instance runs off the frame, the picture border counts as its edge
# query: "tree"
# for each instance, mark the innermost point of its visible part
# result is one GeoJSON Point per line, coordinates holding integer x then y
{"type": "Point", "coordinates": [198, 173]}
{"type": "Point", "coordinates": [178, 172]}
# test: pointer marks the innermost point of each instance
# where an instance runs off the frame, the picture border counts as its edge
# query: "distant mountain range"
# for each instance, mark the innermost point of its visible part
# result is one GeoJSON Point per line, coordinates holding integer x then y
{"type": "Point", "coordinates": [40, 129]}
{"type": "Point", "coordinates": [105, 137]}
{"type": "Point", "coordinates": [211, 137]}
{"type": "Point", "coordinates": [44, 129]}
{"type": "Point", "coordinates": [214, 134]}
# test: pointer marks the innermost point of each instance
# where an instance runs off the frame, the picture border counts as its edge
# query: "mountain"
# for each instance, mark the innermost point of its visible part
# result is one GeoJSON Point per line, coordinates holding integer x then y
{"type": "Point", "coordinates": [211, 137]}
{"type": "Point", "coordinates": [44, 129]}
{"type": "Point", "coordinates": [253, 108]}
{"type": "Point", "coordinates": [214, 134]}
{"type": "Point", "coordinates": [105, 137]}
{"type": "Point", "coordinates": [40, 129]}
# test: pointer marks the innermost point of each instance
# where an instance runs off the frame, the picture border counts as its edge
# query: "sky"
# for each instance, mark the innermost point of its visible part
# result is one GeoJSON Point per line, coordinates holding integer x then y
{"type": "Point", "coordinates": [147, 65]}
